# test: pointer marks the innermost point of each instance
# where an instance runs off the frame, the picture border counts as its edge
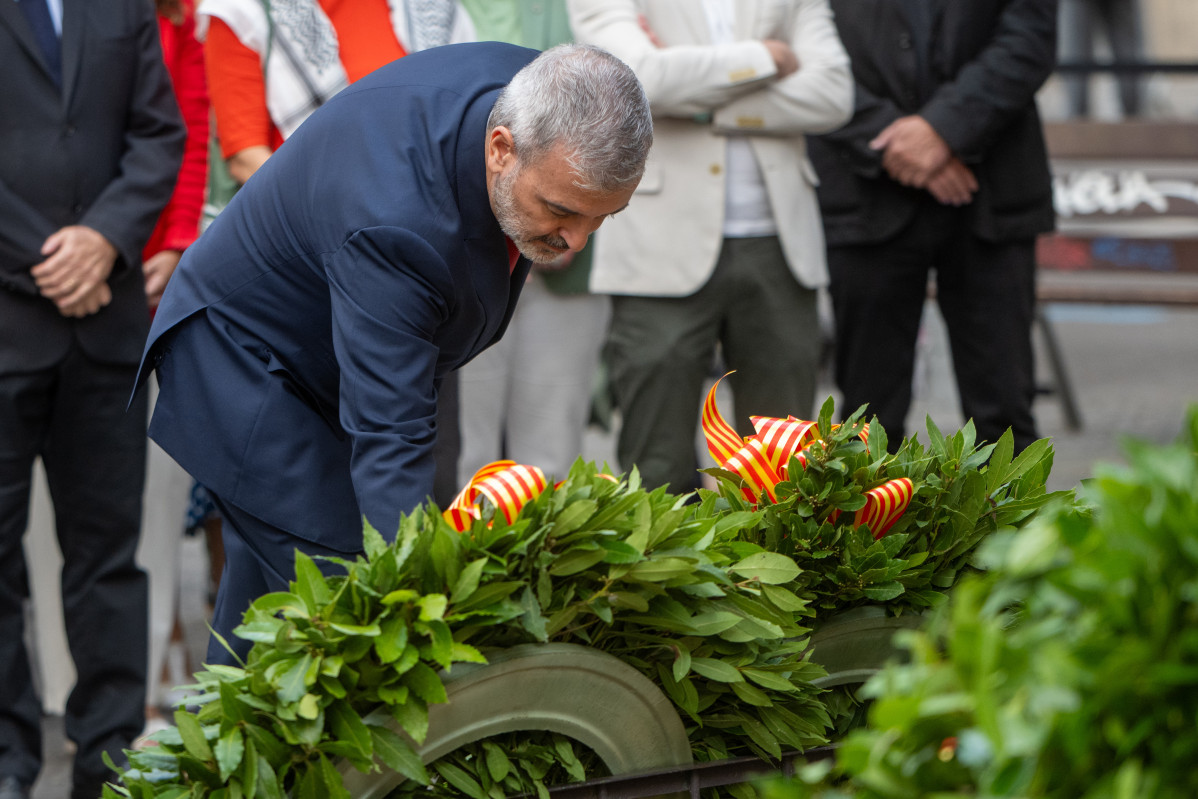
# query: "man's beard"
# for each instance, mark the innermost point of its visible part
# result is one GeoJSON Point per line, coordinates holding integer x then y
{"type": "Point", "coordinates": [538, 249]}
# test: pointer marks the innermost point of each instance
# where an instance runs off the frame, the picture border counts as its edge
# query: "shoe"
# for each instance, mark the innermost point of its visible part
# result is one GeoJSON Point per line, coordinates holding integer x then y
{"type": "Point", "coordinates": [11, 788]}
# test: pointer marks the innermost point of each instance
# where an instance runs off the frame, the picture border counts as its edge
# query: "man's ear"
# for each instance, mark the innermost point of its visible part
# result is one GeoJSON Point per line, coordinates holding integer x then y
{"type": "Point", "coordinates": [501, 149]}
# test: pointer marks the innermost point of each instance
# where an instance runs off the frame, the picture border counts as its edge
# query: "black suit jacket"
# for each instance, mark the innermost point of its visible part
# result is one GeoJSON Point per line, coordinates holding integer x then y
{"type": "Point", "coordinates": [985, 60]}
{"type": "Point", "coordinates": [102, 151]}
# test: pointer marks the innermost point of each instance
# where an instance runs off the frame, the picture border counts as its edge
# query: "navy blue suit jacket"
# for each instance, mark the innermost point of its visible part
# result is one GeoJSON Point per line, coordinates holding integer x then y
{"type": "Point", "coordinates": [300, 342]}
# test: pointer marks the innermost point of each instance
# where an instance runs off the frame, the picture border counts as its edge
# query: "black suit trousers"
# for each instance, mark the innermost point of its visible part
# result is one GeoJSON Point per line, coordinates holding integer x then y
{"type": "Point", "coordinates": [986, 295]}
{"type": "Point", "coordinates": [73, 415]}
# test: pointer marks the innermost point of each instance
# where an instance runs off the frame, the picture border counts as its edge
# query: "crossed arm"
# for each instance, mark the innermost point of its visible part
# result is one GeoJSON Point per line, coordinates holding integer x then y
{"type": "Point", "coordinates": [932, 149]}
{"type": "Point", "coordinates": [792, 81]}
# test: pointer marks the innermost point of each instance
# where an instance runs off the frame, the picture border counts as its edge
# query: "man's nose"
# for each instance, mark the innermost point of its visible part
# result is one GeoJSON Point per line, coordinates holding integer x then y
{"type": "Point", "coordinates": [576, 233]}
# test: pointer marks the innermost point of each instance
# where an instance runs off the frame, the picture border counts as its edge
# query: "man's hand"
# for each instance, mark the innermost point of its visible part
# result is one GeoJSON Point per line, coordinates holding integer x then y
{"type": "Point", "coordinates": [912, 150]}
{"type": "Point", "coordinates": [954, 184]}
{"type": "Point", "coordinates": [80, 260]}
{"type": "Point", "coordinates": [157, 270]}
{"type": "Point", "coordinates": [785, 60]}
{"type": "Point", "coordinates": [91, 302]}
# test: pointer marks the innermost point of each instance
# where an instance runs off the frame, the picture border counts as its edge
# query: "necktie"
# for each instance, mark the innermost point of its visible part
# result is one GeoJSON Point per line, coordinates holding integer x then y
{"type": "Point", "coordinates": [38, 15]}
{"type": "Point", "coordinates": [513, 254]}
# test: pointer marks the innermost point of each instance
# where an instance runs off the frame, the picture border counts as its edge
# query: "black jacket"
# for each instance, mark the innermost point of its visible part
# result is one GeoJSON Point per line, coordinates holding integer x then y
{"type": "Point", "coordinates": [102, 151]}
{"type": "Point", "coordinates": [985, 60]}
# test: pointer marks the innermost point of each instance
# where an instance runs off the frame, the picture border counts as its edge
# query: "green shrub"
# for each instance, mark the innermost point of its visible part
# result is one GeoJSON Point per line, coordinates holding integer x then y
{"type": "Point", "coordinates": [606, 564]}
{"type": "Point", "coordinates": [963, 492]}
{"type": "Point", "coordinates": [712, 601]}
{"type": "Point", "coordinates": [1069, 670]}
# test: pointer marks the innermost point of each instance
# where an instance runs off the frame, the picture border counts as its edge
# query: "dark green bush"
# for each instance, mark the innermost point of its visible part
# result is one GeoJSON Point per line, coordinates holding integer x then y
{"type": "Point", "coordinates": [597, 562]}
{"type": "Point", "coordinates": [963, 492]}
{"type": "Point", "coordinates": [713, 601]}
{"type": "Point", "coordinates": [1069, 670]}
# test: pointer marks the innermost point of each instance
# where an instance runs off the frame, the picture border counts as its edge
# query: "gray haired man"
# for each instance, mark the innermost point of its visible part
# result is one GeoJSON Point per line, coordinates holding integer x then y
{"type": "Point", "coordinates": [301, 342]}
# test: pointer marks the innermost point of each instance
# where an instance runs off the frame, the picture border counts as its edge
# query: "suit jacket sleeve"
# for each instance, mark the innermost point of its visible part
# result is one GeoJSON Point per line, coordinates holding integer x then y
{"type": "Point", "coordinates": [387, 287]}
{"type": "Point", "coordinates": [127, 208]}
{"type": "Point", "coordinates": [681, 80]}
{"type": "Point", "coordinates": [999, 84]}
{"type": "Point", "coordinates": [179, 224]}
{"type": "Point", "coordinates": [871, 114]}
{"type": "Point", "coordinates": [23, 230]}
{"type": "Point", "coordinates": [816, 98]}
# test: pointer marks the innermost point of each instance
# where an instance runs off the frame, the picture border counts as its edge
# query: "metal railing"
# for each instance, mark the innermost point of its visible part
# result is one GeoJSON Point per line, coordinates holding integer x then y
{"type": "Point", "coordinates": [1128, 67]}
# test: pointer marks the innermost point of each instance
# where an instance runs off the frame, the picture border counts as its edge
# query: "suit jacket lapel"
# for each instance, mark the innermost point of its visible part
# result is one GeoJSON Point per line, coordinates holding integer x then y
{"type": "Point", "coordinates": [10, 15]}
{"type": "Point", "coordinates": [485, 243]}
{"type": "Point", "coordinates": [74, 24]}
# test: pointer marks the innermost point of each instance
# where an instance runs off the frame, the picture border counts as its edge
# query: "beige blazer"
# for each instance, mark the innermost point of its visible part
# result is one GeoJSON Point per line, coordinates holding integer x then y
{"type": "Point", "coordinates": [667, 241]}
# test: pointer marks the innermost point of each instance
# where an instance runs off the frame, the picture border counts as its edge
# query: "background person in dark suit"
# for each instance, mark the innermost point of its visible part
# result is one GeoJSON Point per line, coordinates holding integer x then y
{"type": "Point", "coordinates": [90, 144]}
{"type": "Point", "coordinates": [942, 167]}
{"type": "Point", "coordinates": [300, 343]}
{"type": "Point", "coordinates": [1119, 23]}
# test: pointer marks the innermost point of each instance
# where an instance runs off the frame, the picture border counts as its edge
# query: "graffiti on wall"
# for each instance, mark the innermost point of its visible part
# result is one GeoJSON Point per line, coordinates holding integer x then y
{"type": "Point", "coordinates": [1134, 199]}
{"type": "Point", "coordinates": [1122, 191]}
{"type": "Point", "coordinates": [1072, 254]}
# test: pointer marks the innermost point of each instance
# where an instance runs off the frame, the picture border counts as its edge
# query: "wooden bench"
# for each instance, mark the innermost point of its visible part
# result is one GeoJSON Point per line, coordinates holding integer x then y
{"type": "Point", "coordinates": [1127, 224]}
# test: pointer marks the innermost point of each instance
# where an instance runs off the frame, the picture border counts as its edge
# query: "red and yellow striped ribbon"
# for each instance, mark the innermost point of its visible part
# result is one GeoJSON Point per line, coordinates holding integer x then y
{"type": "Point", "coordinates": [763, 460]}
{"type": "Point", "coordinates": [752, 463]}
{"type": "Point", "coordinates": [884, 505]}
{"type": "Point", "coordinates": [507, 484]}
{"type": "Point", "coordinates": [760, 459]}
{"type": "Point", "coordinates": [510, 489]}
{"type": "Point", "coordinates": [784, 438]}
{"type": "Point", "coordinates": [722, 440]}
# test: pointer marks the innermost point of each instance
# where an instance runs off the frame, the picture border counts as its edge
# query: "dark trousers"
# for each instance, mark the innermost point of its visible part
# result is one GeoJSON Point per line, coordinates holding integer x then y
{"type": "Point", "coordinates": [448, 448]}
{"type": "Point", "coordinates": [986, 294]}
{"type": "Point", "coordinates": [259, 559]}
{"type": "Point", "coordinates": [1120, 23]}
{"type": "Point", "coordinates": [73, 416]}
{"type": "Point", "coordinates": [660, 351]}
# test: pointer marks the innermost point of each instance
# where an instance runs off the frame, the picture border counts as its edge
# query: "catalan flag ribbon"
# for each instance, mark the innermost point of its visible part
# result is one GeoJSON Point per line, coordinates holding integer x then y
{"type": "Point", "coordinates": [752, 462]}
{"type": "Point", "coordinates": [507, 484]}
{"type": "Point", "coordinates": [784, 438]}
{"type": "Point", "coordinates": [884, 505]}
{"type": "Point", "coordinates": [722, 440]}
{"type": "Point", "coordinates": [763, 461]}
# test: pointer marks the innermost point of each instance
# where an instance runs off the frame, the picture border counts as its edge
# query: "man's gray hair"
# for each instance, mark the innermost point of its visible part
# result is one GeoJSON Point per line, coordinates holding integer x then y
{"type": "Point", "coordinates": [588, 102]}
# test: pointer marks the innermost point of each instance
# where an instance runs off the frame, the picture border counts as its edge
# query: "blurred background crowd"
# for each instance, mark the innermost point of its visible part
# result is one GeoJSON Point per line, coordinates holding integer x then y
{"type": "Point", "coordinates": [821, 168]}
